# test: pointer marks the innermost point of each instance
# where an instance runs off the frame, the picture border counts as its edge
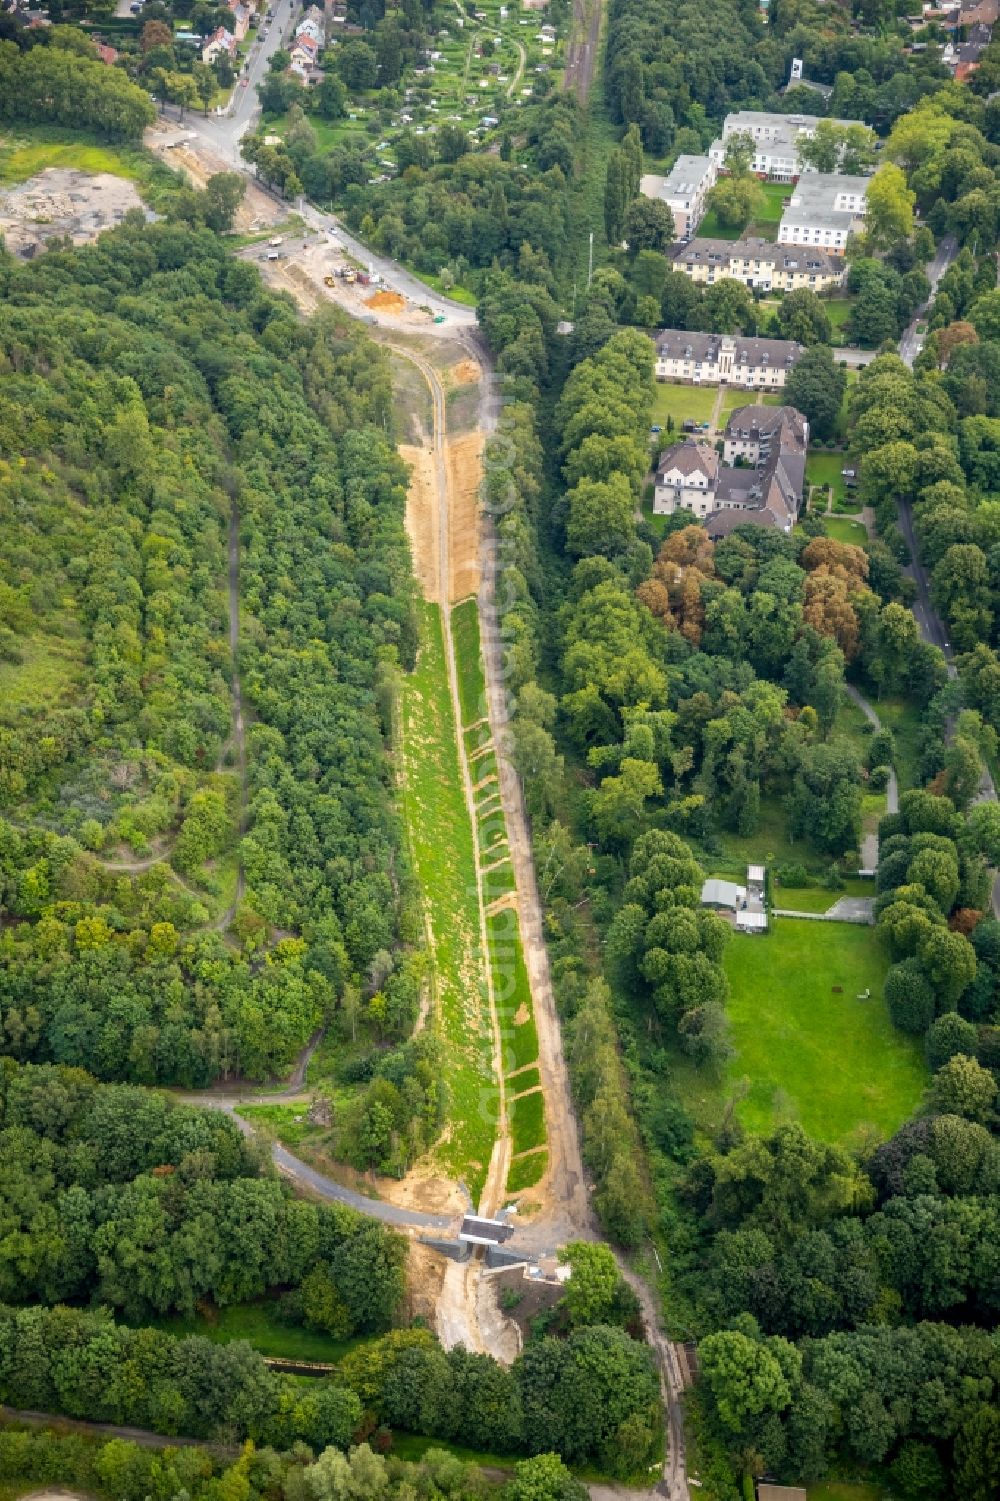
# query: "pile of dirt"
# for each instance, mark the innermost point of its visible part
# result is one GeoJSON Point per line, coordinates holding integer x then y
{"type": "Point", "coordinates": [465, 372]}
{"type": "Point", "coordinates": [391, 302]}
{"type": "Point", "coordinates": [463, 459]}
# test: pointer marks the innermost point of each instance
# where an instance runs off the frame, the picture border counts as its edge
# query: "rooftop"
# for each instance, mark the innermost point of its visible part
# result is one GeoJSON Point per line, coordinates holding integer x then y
{"type": "Point", "coordinates": [708, 252]}
{"type": "Point", "coordinates": [686, 175]}
{"type": "Point", "coordinates": [680, 344]}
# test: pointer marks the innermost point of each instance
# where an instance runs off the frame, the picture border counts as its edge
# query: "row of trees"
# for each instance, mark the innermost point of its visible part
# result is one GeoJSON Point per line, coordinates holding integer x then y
{"type": "Point", "coordinates": [55, 85]}
{"type": "Point", "coordinates": [136, 1472]}
{"type": "Point", "coordinates": [591, 1396]}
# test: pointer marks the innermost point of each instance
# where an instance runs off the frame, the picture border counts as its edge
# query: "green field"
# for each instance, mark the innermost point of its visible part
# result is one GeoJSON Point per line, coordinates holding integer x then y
{"type": "Point", "coordinates": [530, 1079]}
{"type": "Point", "coordinates": [840, 1490]}
{"type": "Point", "coordinates": [843, 529]}
{"type": "Point", "coordinates": [737, 397]}
{"type": "Point", "coordinates": [528, 1121]}
{"type": "Point", "coordinates": [805, 1050]}
{"type": "Point", "coordinates": [682, 403]}
{"type": "Point", "coordinates": [819, 898]}
{"type": "Point", "coordinates": [439, 836]}
{"type": "Point", "coordinates": [770, 842]}
{"type": "Point", "coordinates": [765, 225]}
{"type": "Point", "coordinates": [511, 991]}
{"type": "Point", "coordinates": [838, 310]}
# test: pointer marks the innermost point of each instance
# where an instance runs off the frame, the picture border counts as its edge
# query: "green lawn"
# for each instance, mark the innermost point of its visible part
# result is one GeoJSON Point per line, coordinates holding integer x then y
{"type": "Point", "coordinates": [528, 1121]}
{"type": "Point", "coordinates": [770, 842]}
{"type": "Point", "coordinates": [682, 403]}
{"type": "Point", "coordinates": [840, 1490]}
{"type": "Point", "coordinates": [712, 229]}
{"type": "Point", "coordinates": [439, 836]}
{"type": "Point", "coordinates": [765, 225]}
{"type": "Point", "coordinates": [734, 398]}
{"type": "Point", "coordinates": [824, 469]}
{"type": "Point", "coordinates": [838, 310]}
{"type": "Point", "coordinates": [843, 529]}
{"type": "Point", "coordinates": [819, 898]}
{"type": "Point", "coordinates": [809, 1051]}
{"type": "Point", "coordinates": [511, 991]}
{"type": "Point", "coordinates": [527, 1171]}
{"type": "Point", "coordinates": [260, 1324]}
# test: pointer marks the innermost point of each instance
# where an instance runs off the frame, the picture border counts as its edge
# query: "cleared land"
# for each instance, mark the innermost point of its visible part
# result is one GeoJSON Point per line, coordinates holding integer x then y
{"type": "Point", "coordinates": [806, 1047]}
{"type": "Point", "coordinates": [441, 849]}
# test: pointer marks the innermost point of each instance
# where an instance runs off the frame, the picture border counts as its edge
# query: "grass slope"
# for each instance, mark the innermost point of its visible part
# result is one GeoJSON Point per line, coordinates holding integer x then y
{"type": "Point", "coordinates": [441, 850]}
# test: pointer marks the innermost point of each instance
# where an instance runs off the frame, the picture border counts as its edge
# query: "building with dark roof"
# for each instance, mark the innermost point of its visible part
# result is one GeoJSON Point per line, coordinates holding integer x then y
{"type": "Point", "coordinates": [724, 359]}
{"type": "Point", "coordinates": [761, 264]}
{"type": "Point", "coordinates": [760, 483]}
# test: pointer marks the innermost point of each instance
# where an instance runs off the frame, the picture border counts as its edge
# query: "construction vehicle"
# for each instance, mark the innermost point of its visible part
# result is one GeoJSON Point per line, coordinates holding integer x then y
{"type": "Point", "coordinates": [329, 281]}
{"type": "Point", "coordinates": [350, 275]}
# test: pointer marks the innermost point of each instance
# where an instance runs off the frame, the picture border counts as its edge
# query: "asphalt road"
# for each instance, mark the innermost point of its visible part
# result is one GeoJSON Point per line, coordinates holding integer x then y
{"type": "Point", "coordinates": [912, 342]}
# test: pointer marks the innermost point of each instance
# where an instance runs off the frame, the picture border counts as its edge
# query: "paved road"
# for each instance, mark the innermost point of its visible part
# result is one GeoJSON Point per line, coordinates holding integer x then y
{"type": "Point", "coordinates": [300, 1172]}
{"type": "Point", "coordinates": [912, 342]}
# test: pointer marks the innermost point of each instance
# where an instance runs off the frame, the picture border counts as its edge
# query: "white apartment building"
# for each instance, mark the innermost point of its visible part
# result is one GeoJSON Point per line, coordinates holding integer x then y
{"type": "Point", "coordinates": [724, 359]}
{"type": "Point", "coordinates": [760, 264]}
{"type": "Point", "coordinates": [775, 138]}
{"type": "Point", "coordinates": [824, 210]}
{"type": "Point", "coordinates": [684, 191]}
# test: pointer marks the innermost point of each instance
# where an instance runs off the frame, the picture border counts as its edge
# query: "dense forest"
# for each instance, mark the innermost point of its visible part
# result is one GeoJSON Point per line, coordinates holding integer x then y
{"type": "Point", "coordinates": [155, 400]}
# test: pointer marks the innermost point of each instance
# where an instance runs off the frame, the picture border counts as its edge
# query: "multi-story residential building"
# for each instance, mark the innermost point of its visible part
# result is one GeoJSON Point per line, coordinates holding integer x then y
{"type": "Point", "coordinates": [724, 359]}
{"type": "Point", "coordinates": [760, 264]}
{"type": "Point", "coordinates": [765, 490]}
{"type": "Point", "coordinates": [775, 138]}
{"type": "Point", "coordinates": [824, 210]}
{"type": "Point", "coordinates": [684, 191]}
